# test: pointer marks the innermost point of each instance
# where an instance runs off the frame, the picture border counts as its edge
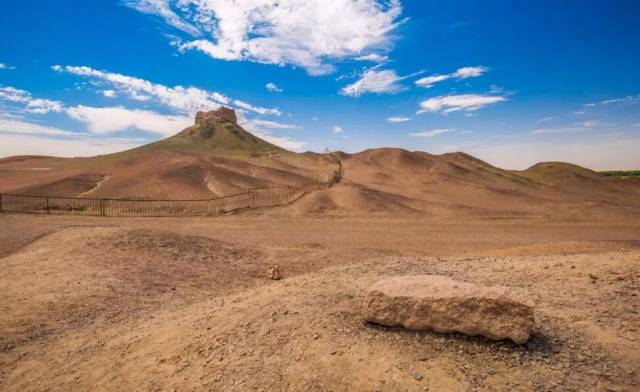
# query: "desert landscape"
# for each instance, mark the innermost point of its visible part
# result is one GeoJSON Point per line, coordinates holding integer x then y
{"type": "Point", "coordinates": [271, 299]}
{"type": "Point", "coordinates": [319, 196]}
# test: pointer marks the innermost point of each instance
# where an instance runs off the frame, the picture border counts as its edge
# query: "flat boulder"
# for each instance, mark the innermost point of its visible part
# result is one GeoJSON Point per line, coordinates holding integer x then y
{"type": "Point", "coordinates": [444, 305]}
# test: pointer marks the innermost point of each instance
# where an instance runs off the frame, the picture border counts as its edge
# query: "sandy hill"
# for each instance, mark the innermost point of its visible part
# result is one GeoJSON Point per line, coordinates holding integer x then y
{"type": "Point", "coordinates": [213, 157]}
{"type": "Point", "coordinates": [457, 185]}
{"type": "Point", "coordinates": [217, 157]}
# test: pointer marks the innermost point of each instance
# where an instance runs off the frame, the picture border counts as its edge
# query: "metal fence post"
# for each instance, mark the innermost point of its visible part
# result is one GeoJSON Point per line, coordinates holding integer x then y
{"type": "Point", "coordinates": [101, 207]}
{"type": "Point", "coordinates": [47, 205]}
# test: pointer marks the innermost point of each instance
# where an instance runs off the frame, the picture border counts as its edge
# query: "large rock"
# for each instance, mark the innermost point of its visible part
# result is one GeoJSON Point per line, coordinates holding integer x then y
{"type": "Point", "coordinates": [444, 305]}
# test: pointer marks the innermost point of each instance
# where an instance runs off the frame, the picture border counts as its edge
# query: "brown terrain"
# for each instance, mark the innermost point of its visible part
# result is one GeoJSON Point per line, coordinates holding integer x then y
{"type": "Point", "coordinates": [152, 304]}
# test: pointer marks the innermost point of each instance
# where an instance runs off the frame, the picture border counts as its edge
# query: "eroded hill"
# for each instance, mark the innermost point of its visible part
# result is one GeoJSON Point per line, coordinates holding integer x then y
{"type": "Point", "coordinates": [216, 157]}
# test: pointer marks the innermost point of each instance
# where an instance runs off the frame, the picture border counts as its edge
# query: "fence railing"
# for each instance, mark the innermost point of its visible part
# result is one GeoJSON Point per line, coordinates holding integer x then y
{"type": "Point", "coordinates": [251, 198]}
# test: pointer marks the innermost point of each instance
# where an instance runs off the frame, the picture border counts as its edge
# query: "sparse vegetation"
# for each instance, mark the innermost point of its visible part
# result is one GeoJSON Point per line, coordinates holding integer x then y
{"type": "Point", "coordinates": [622, 173]}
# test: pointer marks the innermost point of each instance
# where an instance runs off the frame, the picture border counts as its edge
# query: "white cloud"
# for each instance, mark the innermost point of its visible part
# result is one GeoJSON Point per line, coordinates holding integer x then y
{"type": "Point", "coordinates": [465, 132]}
{"type": "Point", "coordinates": [495, 89]}
{"type": "Point", "coordinates": [559, 130]}
{"type": "Point", "coordinates": [432, 133]}
{"type": "Point", "coordinates": [163, 9]}
{"type": "Point", "coordinates": [185, 99]}
{"type": "Point", "coordinates": [374, 81]}
{"type": "Point", "coordinates": [398, 119]}
{"type": "Point", "coordinates": [33, 105]}
{"type": "Point", "coordinates": [305, 33]}
{"type": "Point", "coordinates": [575, 127]}
{"type": "Point", "coordinates": [469, 72]}
{"type": "Point", "coordinates": [108, 93]}
{"type": "Point", "coordinates": [273, 124]}
{"type": "Point", "coordinates": [373, 57]}
{"type": "Point", "coordinates": [637, 125]}
{"type": "Point", "coordinates": [42, 145]}
{"type": "Point", "coordinates": [282, 141]}
{"type": "Point", "coordinates": [460, 73]}
{"type": "Point", "coordinates": [454, 103]}
{"type": "Point", "coordinates": [5, 66]}
{"type": "Point", "coordinates": [627, 99]}
{"type": "Point", "coordinates": [273, 87]}
{"type": "Point", "coordinates": [429, 81]}
{"type": "Point", "coordinates": [29, 128]}
{"type": "Point", "coordinates": [260, 110]}
{"type": "Point", "coordinates": [115, 119]}
{"type": "Point", "coordinates": [547, 119]}
{"type": "Point", "coordinates": [43, 106]}
{"type": "Point", "coordinates": [337, 129]}
{"type": "Point", "coordinates": [260, 131]}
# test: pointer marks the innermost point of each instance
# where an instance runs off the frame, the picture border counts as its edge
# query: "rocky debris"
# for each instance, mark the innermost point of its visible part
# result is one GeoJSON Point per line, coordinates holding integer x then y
{"type": "Point", "coordinates": [274, 273]}
{"type": "Point", "coordinates": [444, 305]}
{"type": "Point", "coordinates": [216, 115]}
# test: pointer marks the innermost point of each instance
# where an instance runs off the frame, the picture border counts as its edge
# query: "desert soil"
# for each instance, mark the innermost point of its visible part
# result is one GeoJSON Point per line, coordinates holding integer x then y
{"type": "Point", "coordinates": [186, 304]}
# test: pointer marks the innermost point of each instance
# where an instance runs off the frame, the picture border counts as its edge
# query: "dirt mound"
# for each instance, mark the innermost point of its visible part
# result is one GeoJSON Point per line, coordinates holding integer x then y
{"type": "Point", "coordinates": [354, 199]}
{"type": "Point", "coordinates": [568, 176]}
{"type": "Point", "coordinates": [393, 158]}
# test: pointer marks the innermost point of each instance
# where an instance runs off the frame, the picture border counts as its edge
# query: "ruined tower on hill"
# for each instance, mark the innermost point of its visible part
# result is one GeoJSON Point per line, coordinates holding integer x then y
{"type": "Point", "coordinates": [222, 114]}
{"type": "Point", "coordinates": [217, 132]}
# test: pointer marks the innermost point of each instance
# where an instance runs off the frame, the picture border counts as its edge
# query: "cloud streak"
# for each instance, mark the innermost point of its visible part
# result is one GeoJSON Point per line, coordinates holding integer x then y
{"type": "Point", "coordinates": [108, 120]}
{"type": "Point", "coordinates": [273, 87]}
{"type": "Point", "coordinates": [185, 99]}
{"type": "Point", "coordinates": [377, 82]}
{"type": "Point", "coordinates": [398, 119]}
{"type": "Point", "coordinates": [32, 105]}
{"type": "Point", "coordinates": [454, 103]}
{"type": "Point", "coordinates": [431, 133]}
{"type": "Point", "coordinates": [460, 74]}
{"type": "Point", "coordinates": [30, 128]}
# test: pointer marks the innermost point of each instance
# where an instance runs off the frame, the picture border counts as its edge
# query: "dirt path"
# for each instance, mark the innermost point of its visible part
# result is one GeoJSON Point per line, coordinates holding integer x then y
{"type": "Point", "coordinates": [95, 188]}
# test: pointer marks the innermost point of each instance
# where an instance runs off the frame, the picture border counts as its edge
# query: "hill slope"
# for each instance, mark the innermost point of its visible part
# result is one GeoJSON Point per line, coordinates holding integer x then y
{"type": "Point", "coordinates": [216, 132]}
{"type": "Point", "coordinates": [213, 157]}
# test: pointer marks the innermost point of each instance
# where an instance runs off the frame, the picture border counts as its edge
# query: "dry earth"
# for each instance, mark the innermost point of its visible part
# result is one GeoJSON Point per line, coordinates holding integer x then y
{"type": "Point", "coordinates": [184, 304]}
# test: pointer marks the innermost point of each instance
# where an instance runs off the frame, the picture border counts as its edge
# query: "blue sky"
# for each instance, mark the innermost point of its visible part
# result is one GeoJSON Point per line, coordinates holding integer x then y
{"type": "Point", "coordinates": [513, 83]}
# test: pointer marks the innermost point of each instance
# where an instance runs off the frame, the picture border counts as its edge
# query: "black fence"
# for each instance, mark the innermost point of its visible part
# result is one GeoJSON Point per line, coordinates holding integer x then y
{"type": "Point", "coordinates": [251, 198]}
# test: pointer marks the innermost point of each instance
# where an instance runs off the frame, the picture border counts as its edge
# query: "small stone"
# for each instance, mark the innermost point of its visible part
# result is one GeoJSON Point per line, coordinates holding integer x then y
{"type": "Point", "coordinates": [274, 273]}
{"type": "Point", "coordinates": [417, 375]}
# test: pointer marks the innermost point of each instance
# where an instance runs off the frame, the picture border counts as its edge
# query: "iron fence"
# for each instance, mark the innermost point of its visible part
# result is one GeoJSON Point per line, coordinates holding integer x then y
{"type": "Point", "coordinates": [251, 198]}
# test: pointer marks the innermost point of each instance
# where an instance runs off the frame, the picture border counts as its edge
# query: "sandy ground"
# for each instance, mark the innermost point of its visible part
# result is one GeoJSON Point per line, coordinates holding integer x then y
{"type": "Point", "coordinates": [185, 304]}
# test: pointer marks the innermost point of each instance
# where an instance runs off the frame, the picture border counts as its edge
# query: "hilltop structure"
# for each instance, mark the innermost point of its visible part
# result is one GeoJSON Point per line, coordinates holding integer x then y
{"type": "Point", "coordinates": [222, 114]}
